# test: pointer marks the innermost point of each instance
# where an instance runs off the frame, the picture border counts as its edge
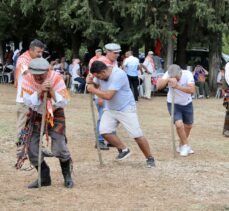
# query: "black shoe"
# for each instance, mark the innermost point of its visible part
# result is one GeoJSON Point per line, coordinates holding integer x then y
{"type": "Point", "coordinates": [66, 171]}
{"type": "Point", "coordinates": [45, 176]}
{"type": "Point", "coordinates": [123, 154]}
{"type": "Point", "coordinates": [150, 162]}
{"type": "Point", "coordinates": [110, 145]}
{"type": "Point", "coordinates": [102, 146]}
{"type": "Point", "coordinates": [34, 184]}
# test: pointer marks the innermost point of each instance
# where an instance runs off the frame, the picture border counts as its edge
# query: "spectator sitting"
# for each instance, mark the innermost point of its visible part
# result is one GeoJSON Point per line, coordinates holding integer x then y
{"type": "Point", "coordinates": [76, 76]}
{"type": "Point", "coordinates": [200, 80]}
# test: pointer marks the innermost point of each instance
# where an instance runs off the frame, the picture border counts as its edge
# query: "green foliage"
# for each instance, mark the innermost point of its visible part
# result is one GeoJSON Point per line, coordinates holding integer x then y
{"type": "Point", "coordinates": [226, 43]}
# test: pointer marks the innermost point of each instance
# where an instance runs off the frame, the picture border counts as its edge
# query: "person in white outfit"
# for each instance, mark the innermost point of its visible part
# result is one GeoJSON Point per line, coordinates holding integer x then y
{"type": "Point", "coordinates": [149, 67]}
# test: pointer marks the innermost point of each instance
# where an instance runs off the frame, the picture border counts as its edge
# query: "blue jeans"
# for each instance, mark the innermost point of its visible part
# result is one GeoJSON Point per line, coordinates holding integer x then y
{"type": "Point", "coordinates": [100, 111]}
{"type": "Point", "coordinates": [82, 84]}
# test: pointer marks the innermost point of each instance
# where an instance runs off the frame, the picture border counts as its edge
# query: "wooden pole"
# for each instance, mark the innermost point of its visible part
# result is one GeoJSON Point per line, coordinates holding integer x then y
{"type": "Point", "coordinates": [172, 123]}
{"type": "Point", "coordinates": [41, 137]}
{"type": "Point", "coordinates": [95, 131]}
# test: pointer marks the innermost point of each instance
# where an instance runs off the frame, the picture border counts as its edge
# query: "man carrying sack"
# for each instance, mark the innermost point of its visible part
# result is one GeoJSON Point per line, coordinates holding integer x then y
{"type": "Point", "coordinates": [36, 82]}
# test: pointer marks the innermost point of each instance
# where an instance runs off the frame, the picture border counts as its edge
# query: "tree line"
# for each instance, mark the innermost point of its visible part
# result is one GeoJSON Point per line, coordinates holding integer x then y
{"type": "Point", "coordinates": [69, 25]}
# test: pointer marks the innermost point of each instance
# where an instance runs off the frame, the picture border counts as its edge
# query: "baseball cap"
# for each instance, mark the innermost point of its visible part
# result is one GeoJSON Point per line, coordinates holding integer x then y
{"type": "Point", "coordinates": [38, 66]}
{"type": "Point", "coordinates": [113, 47]}
{"type": "Point", "coordinates": [150, 52]}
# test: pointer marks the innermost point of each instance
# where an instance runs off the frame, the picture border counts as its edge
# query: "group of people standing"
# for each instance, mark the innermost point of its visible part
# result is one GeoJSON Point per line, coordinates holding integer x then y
{"type": "Point", "coordinates": [116, 103]}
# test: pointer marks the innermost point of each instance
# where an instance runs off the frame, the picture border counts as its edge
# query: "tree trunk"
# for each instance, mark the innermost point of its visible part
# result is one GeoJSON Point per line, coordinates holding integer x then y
{"type": "Point", "coordinates": [182, 41]}
{"type": "Point", "coordinates": [169, 53]}
{"type": "Point", "coordinates": [215, 48]}
{"type": "Point", "coordinates": [1, 52]}
{"type": "Point", "coordinates": [149, 45]}
{"type": "Point", "coordinates": [76, 43]}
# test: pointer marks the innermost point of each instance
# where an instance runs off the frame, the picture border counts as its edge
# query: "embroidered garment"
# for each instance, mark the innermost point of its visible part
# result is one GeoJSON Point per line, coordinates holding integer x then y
{"type": "Point", "coordinates": [31, 88]}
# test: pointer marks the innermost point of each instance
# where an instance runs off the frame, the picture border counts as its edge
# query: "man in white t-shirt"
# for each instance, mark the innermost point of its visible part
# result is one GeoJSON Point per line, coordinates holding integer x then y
{"type": "Point", "coordinates": [111, 84]}
{"type": "Point", "coordinates": [183, 85]}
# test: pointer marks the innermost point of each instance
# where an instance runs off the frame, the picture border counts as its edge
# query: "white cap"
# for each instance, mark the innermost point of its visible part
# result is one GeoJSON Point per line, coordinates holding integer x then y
{"type": "Point", "coordinates": [113, 47]}
{"type": "Point", "coordinates": [150, 52]}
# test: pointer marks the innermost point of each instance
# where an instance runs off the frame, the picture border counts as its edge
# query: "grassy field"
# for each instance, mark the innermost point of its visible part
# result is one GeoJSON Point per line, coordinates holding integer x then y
{"type": "Point", "coordinates": [197, 182]}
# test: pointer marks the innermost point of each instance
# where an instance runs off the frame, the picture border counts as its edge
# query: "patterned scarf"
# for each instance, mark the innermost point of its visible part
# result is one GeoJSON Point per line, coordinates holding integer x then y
{"type": "Point", "coordinates": [29, 85]}
{"type": "Point", "coordinates": [22, 64]}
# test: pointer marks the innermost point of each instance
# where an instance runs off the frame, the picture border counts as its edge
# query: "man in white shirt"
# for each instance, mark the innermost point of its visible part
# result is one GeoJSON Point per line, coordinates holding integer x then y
{"type": "Point", "coordinates": [183, 85]}
{"type": "Point", "coordinates": [149, 67]}
{"type": "Point", "coordinates": [131, 66]}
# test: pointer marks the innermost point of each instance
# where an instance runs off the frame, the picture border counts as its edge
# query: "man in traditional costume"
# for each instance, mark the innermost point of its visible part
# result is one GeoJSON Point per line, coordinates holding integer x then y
{"type": "Point", "coordinates": [38, 80]}
{"type": "Point", "coordinates": [36, 49]}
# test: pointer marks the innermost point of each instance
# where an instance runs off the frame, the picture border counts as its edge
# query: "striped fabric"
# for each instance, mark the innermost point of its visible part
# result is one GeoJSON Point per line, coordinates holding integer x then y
{"type": "Point", "coordinates": [22, 64]}
{"type": "Point", "coordinates": [29, 85]}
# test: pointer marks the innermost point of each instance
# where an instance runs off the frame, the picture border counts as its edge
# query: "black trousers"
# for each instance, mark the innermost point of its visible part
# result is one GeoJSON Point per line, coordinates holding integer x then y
{"type": "Point", "coordinates": [133, 81]}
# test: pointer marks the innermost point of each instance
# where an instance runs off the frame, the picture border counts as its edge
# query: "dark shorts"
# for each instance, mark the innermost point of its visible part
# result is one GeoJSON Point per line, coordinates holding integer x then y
{"type": "Point", "coordinates": [184, 113]}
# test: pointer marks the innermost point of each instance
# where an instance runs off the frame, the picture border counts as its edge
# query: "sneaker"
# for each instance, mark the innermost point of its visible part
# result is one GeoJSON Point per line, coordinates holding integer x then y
{"type": "Point", "coordinates": [226, 133]}
{"type": "Point", "coordinates": [190, 150]}
{"type": "Point", "coordinates": [123, 154]}
{"type": "Point", "coordinates": [200, 97]}
{"type": "Point", "coordinates": [102, 146]}
{"type": "Point", "coordinates": [185, 150]}
{"type": "Point", "coordinates": [150, 162]}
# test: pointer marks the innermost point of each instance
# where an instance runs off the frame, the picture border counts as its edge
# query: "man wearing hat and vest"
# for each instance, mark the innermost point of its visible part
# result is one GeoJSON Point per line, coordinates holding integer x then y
{"type": "Point", "coordinates": [38, 80]}
{"type": "Point", "coordinates": [112, 85]}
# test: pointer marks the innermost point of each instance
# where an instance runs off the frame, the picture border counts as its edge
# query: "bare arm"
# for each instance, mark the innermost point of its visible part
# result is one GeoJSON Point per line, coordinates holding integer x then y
{"type": "Point", "coordinates": [106, 95]}
{"type": "Point", "coordinates": [162, 83]}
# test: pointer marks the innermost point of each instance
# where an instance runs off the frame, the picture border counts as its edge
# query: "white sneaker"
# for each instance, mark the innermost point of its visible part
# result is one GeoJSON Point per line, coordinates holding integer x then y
{"type": "Point", "coordinates": [185, 150]}
{"type": "Point", "coordinates": [200, 97]}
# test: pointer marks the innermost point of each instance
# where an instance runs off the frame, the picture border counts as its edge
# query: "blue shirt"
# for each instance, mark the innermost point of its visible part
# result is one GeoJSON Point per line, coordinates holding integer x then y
{"type": "Point", "coordinates": [123, 98]}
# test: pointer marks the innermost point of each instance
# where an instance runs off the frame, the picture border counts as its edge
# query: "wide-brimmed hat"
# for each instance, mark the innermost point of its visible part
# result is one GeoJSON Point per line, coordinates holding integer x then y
{"type": "Point", "coordinates": [38, 66]}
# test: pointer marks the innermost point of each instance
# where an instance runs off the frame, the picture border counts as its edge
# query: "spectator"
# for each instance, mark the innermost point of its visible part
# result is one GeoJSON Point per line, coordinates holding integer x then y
{"type": "Point", "coordinates": [149, 67]}
{"type": "Point", "coordinates": [131, 66]}
{"type": "Point", "coordinates": [76, 76]}
{"type": "Point", "coordinates": [200, 80]}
